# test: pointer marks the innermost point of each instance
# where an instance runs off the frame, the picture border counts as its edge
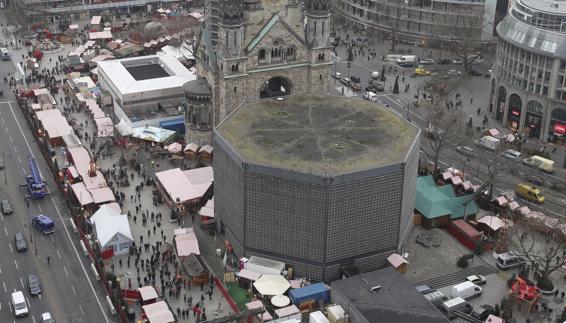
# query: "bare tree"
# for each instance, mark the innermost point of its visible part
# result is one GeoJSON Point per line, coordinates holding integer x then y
{"type": "Point", "coordinates": [465, 37]}
{"type": "Point", "coordinates": [439, 133]}
{"type": "Point", "coordinates": [400, 9]}
{"type": "Point", "coordinates": [545, 253]}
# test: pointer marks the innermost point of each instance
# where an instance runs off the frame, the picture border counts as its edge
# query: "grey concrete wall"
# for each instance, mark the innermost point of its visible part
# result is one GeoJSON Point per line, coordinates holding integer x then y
{"type": "Point", "coordinates": [409, 192]}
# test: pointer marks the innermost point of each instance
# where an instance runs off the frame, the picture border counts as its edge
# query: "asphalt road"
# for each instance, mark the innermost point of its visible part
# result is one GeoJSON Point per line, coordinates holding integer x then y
{"type": "Point", "coordinates": [69, 288]}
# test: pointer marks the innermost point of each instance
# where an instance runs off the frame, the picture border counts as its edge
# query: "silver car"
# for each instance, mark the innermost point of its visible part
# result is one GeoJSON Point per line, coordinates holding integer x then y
{"type": "Point", "coordinates": [466, 151]}
{"type": "Point", "coordinates": [511, 155]}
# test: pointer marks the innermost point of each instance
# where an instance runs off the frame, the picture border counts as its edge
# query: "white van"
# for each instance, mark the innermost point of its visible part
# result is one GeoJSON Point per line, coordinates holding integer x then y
{"type": "Point", "coordinates": [4, 54]}
{"type": "Point", "coordinates": [19, 304]}
{"type": "Point", "coordinates": [466, 290]}
{"type": "Point", "coordinates": [509, 260]}
{"type": "Point", "coordinates": [370, 96]}
{"type": "Point", "coordinates": [456, 304]}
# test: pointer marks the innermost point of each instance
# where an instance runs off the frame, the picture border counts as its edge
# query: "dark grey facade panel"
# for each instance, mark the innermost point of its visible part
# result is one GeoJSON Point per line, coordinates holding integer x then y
{"type": "Point", "coordinates": [363, 216]}
{"type": "Point", "coordinates": [409, 194]}
{"type": "Point", "coordinates": [367, 264]}
{"type": "Point", "coordinates": [285, 217]}
{"type": "Point", "coordinates": [229, 193]}
{"type": "Point", "coordinates": [319, 180]}
{"type": "Point", "coordinates": [220, 143]}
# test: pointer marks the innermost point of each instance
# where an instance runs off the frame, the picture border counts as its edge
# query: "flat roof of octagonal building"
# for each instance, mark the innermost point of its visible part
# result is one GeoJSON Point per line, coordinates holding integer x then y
{"type": "Point", "coordinates": [318, 134]}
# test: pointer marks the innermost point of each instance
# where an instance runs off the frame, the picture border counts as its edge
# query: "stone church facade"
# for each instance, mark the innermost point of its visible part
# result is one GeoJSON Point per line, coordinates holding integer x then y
{"type": "Point", "coordinates": [260, 49]}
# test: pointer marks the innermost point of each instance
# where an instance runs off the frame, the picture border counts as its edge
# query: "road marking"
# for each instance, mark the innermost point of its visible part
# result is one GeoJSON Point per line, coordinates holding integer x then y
{"type": "Point", "coordinates": [22, 282]}
{"type": "Point", "coordinates": [12, 140]}
{"type": "Point", "coordinates": [52, 239]}
{"type": "Point", "coordinates": [8, 101]}
{"type": "Point", "coordinates": [16, 263]}
{"type": "Point", "coordinates": [65, 269]}
{"type": "Point", "coordinates": [58, 254]}
{"type": "Point", "coordinates": [6, 230]}
{"type": "Point", "coordinates": [33, 318]}
{"type": "Point", "coordinates": [15, 150]}
{"type": "Point", "coordinates": [81, 307]}
{"type": "Point", "coordinates": [11, 249]}
{"type": "Point", "coordinates": [2, 217]}
{"type": "Point", "coordinates": [20, 159]}
{"type": "Point", "coordinates": [4, 122]}
{"type": "Point", "coordinates": [23, 170]}
{"type": "Point", "coordinates": [39, 296]}
{"type": "Point", "coordinates": [29, 304]}
{"type": "Point", "coordinates": [74, 291]}
{"type": "Point", "coordinates": [39, 207]}
{"type": "Point", "coordinates": [64, 226]}
{"type": "Point", "coordinates": [4, 284]}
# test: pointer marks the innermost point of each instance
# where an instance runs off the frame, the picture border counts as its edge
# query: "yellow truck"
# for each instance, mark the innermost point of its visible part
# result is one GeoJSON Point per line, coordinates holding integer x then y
{"type": "Point", "coordinates": [529, 192]}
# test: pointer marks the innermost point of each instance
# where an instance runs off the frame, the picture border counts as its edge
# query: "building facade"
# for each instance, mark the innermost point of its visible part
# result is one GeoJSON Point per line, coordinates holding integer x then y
{"type": "Point", "coordinates": [316, 182]}
{"type": "Point", "coordinates": [424, 21]}
{"type": "Point", "coordinates": [256, 49]}
{"type": "Point", "coordinates": [528, 87]}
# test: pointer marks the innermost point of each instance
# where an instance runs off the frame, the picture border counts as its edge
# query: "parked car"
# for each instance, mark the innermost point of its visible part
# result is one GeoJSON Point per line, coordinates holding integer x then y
{"type": "Point", "coordinates": [33, 285]}
{"type": "Point", "coordinates": [476, 279]}
{"type": "Point", "coordinates": [474, 73]}
{"type": "Point", "coordinates": [345, 81]}
{"type": "Point", "coordinates": [488, 73]}
{"type": "Point", "coordinates": [421, 71]}
{"type": "Point", "coordinates": [355, 79]}
{"type": "Point", "coordinates": [453, 72]}
{"type": "Point", "coordinates": [483, 312]}
{"type": "Point", "coordinates": [432, 295]}
{"type": "Point", "coordinates": [535, 180]}
{"type": "Point", "coordinates": [466, 151]}
{"type": "Point", "coordinates": [457, 61]}
{"type": "Point", "coordinates": [427, 61]}
{"type": "Point", "coordinates": [466, 290]}
{"type": "Point", "coordinates": [337, 75]}
{"type": "Point", "coordinates": [46, 318]}
{"type": "Point", "coordinates": [355, 87]}
{"type": "Point", "coordinates": [444, 61]}
{"type": "Point", "coordinates": [6, 207]}
{"type": "Point", "coordinates": [20, 242]}
{"type": "Point", "coordinates": [511, 155]}
{"type": "Point", "coordinates": [379, 87]}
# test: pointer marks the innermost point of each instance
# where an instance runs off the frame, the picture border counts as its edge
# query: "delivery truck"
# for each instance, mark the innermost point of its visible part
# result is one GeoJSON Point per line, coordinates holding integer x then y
{"type": "Point", "coordinates": [466, 290]}
{"type": "Point", "coordinates": [540, 163]}
{"type": "Point", "coordinates": [487, 142]}
{"type": "Point", "coordinates": [407, 61]}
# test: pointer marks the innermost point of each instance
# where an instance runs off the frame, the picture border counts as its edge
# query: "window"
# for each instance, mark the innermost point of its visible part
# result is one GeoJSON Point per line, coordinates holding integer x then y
{"type": "Point", "coordinates": [235, 89]}
{"type": "Point", "coordinates": [323, 28]}
{"type": "Point", "coordinates": [261, 54]}
{"type": "Point", "coordinates": [235, 38]}
{"type": "Point", "coordinates": [315, 27]}
{"type": "Point", "coordinates": [124, 245]}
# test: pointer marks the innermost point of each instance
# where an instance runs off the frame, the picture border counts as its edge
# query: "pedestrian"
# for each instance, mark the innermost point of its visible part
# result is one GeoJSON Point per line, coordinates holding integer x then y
{"type": "Point", "coordinates": [556, 293]}
{"type": "Point", "coordinates": [120, 263]}
{"type": "Point", "coordinates": [479, 111]}
{"type": "Point", "coordinates": [154, 228]}
{"type": "Point", "coordinates": [48, 259]}
{"type": "Point", "coordinates": [209, 294]}
{"type": "Point", "coordinates": [562, 294]}
{"type": "Point", "coordinates": [135, 219]}
{"type": "Point", "coordinates": [148, 233]}
{"type": "Point", "coordinates": [141, 239]}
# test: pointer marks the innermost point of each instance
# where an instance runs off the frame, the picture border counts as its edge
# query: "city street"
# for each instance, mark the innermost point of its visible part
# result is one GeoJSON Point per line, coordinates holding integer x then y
{"type": "Point", "coordinates": [403, 104]}
{"type": "Point", "coordinates": [69, 289]}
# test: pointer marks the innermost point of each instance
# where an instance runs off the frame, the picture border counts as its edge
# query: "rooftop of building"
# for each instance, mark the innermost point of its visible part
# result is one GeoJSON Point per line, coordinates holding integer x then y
{"type": "Point", "coordinates": [146, 73]}
{"type": "Point", "coordinates": [554, 7]}
{"type": "Point", "coordinates": [317, 134]}
{"type": "Point", "coordinates": [395, 301]}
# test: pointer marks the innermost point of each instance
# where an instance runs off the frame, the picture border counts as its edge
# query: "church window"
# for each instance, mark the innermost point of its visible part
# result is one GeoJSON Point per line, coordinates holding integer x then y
{"type": "Point", "coordinates": [261, 54]}
{"type": "Point", "coordinates": [235, 89]}
{"type": "Point", "coordinates": [235, 38]}
{"type": "Point", "coordinates": [315, 27]}
{"type": "Point", "coordinates": [323, 28]}
{"type": "Point", "coordinates": [226, 39]}
{"type": "Point", "coordinates": [320, 77]}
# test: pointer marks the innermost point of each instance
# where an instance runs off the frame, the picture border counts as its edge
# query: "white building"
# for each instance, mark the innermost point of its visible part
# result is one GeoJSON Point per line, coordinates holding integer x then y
{"type": "Point", "coordinates": [112, 230]}
{"type": "Point", "coordinates": [145, 88]}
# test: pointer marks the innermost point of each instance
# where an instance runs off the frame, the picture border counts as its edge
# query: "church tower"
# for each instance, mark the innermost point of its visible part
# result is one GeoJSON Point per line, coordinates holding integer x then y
{"type": "Point", "coordinates": [231, 57]}
{"type": "Point", "coordinates": [318, 23]}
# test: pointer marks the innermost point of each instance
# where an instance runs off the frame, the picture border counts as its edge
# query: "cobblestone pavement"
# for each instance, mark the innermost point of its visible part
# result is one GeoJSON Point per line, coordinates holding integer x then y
{"type": "Point", "coordinates": [123, 266]}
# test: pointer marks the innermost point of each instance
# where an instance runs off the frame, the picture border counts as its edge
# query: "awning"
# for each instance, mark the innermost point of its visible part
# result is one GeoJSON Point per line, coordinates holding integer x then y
{"type": "Point", "coordinates": [513, 205]}
{"type": "Point", "coordinates": [501, 200]}
{"type": "Point", "coordinates": [192, 147]}
{"type": "Point", "coordinates": [396, 260]}
{"type": "Point", "coordinates": [249, 274]}
{"type": "Point", "coordinates": [493, 222]}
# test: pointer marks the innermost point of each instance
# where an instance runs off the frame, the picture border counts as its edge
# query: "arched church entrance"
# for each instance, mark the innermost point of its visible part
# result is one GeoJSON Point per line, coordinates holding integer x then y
{"type": "Point", "coordinates": [275, 87]}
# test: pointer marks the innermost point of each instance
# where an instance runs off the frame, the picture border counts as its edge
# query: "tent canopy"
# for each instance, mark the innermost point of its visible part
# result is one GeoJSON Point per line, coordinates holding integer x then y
{"type": "Point", "coordinates": [147, 293]}
{"type": "Point", "coordinates": [270, 285]}
{"type": "Point", "coordinates": [158, 313]}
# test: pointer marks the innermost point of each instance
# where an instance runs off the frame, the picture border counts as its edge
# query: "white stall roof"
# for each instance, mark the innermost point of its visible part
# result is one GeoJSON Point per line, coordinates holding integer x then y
{"type": "Point", "coordinates": [186, 242]}
{"type": "Point", "coordinates": [249, 275]}
{"type": "Point", "coordinates": [106, 34]}
{"type": "Point", "coordinates": [147, 293]}
{"type": "Point", "coordinates": [95, 20]}
{"type": "Point", "coordinates": [109, 223]}
{"type": "Point", "coordinates": [158, 313]}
